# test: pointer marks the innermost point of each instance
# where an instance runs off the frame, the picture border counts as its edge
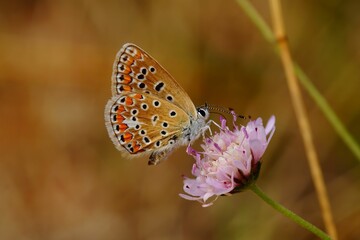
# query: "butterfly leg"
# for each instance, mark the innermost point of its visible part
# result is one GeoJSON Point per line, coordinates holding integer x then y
{"type": "Point", "coordinates": [207, 127]}
{"type": "Point", "coordinates": [157, 157]}
{"type": "Point", "coordinates": [213, 122]}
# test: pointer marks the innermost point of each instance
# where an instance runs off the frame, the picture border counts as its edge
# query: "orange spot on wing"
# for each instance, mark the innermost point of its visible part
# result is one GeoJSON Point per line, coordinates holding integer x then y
{"type": "Point", "coordinates": [126, 88]}
{"type": "Point", "coordinates": [121, 109]}
{"type": "Point", "coordinates": [136, 147]}
{"type": "Point", "coordinates": [127, 137]}
{"type": "Point", "coordinates": [124, 69]}
{"type": "Point", "coordinates": [138, 96]}
{"type": "Point", "coordinates": [129, 60]}
{"type": "Point", "coordinates": [127, 79]}
{"type": "Point", "coordinates": [137, 55]}
{"type": "Point", "coordinates": [123, 127]}
{"type": "Point", "coordinates": [129, 101]}
{"type": "Point", "coordinates": [119, 118]}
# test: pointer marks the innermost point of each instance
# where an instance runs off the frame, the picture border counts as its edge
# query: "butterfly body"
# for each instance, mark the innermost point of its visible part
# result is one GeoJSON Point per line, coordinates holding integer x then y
{"type": "Point", "coordinates": [149, 112]}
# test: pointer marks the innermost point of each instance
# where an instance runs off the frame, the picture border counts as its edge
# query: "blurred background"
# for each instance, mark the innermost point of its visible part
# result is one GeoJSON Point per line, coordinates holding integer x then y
{"type": "Point", "coordinates": [62, 178]}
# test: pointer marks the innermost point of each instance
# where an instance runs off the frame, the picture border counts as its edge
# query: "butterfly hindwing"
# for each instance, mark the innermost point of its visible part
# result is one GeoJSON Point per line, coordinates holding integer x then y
{"type": "Point", "coordinates": [138, 122]}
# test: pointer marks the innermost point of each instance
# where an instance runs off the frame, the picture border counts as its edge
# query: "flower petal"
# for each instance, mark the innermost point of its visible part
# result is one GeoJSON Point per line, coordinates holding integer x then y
{"type": "Point", "coordinates": [270, 125]}
{"type": "Point", "coordinates": [257, 149]}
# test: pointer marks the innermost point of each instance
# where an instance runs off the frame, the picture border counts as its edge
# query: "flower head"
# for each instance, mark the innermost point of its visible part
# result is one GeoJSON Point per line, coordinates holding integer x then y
{"type": "Point", "coordinates": [230, 160]}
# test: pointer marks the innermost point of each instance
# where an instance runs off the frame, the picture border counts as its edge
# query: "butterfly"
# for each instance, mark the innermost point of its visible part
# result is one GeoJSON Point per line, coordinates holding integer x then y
{"type": "Point", "coordinates": [149, 112]}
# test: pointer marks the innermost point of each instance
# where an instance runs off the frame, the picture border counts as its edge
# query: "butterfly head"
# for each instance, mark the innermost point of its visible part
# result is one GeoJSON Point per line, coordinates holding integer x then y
{"type": "Point", "coordinates": [197, 125]}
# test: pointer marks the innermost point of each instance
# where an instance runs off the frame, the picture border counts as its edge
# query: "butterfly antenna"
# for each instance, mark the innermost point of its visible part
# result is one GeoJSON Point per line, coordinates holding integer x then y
{"type": "Point", "coordinates": [213, 109]}
{"type": "Point", "coordinates": [220, 110]}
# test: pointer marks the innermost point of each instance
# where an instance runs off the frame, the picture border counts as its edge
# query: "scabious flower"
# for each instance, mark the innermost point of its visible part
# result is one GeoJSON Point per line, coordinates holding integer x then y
{"type": "Point", "coordinates": [230, 160]}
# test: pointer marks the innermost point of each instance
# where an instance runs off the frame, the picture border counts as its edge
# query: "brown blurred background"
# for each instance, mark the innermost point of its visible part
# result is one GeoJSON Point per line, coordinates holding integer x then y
{"type": "Point", "coordinates": [62, 178]}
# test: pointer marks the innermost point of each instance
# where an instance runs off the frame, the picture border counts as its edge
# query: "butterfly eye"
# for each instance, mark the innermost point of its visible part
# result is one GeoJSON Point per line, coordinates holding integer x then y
{"type": "Point", "coordinates": [203, 112]}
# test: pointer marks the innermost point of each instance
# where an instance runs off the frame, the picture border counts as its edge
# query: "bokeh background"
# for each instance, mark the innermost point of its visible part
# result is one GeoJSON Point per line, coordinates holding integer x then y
{"type": "Point", "coordinates": [62, 178]}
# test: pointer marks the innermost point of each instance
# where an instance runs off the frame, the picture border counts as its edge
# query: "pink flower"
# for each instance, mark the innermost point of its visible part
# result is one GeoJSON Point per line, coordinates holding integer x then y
{"type": "Point", "coordinates": [230, 161]}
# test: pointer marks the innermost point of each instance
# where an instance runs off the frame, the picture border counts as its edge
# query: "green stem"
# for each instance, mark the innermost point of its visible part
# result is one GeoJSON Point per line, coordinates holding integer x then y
{"type": "Point", "coordinates": [257, 20]}
{"type": "Point", "coordinates": [329, 113]}
{"type": "Point", "coordinates": [286, 212]}
{"type": "Point", "coordinates": [305, 81]}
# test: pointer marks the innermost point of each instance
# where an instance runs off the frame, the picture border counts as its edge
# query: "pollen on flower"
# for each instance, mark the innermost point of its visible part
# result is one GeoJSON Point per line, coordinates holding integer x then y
{"type": "Point", "coordinates": [229, 162]}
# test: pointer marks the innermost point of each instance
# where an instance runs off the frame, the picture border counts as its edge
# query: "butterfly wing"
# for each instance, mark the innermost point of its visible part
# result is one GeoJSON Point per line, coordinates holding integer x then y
{"type": "Point", "coordinates": [139, 123]}
{"type": "Point", "coordinates": [136, 71]}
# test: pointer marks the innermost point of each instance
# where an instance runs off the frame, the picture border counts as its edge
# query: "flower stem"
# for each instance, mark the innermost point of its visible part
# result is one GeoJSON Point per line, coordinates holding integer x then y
{"type": "Point", "coordinates": [286, 212]}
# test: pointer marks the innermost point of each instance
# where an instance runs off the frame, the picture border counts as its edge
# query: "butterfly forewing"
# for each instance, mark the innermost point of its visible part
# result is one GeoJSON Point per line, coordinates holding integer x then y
{"type": "Point", "coordinates": [139, 122]}
{"type": "Point", "coordinates": [136, 71]}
